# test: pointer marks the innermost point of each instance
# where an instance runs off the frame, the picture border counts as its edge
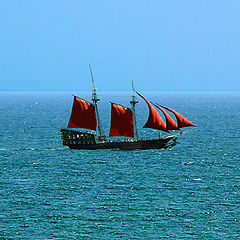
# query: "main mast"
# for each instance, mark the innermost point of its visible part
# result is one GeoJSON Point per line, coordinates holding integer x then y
{"type": "Point", "coordinates": [95, 102]}
{"type": "Point", "coordinates": [133, 103]}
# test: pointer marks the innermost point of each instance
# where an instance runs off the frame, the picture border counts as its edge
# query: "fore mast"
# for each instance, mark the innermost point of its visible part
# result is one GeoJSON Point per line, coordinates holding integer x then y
{"type": "Point", "coordinates": [95, 102]}
{"type": "Point", "coordinates": [133, 103]}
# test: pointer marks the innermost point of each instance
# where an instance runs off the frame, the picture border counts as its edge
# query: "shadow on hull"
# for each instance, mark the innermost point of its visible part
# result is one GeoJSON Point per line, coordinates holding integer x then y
{"type": "Point", "coordinates": [88, 141]}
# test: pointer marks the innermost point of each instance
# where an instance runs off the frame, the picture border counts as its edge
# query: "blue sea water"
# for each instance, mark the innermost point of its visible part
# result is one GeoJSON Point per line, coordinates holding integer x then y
{"type": "Point", "coordinates": [47, 191]}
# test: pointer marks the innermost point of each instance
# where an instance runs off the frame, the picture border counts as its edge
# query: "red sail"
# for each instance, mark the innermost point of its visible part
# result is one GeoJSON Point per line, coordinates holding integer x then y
{"type": "Point", "coordinates": [171, 125]}
{"type": "Point", "coordinates": [83, 115]}
{"type": "Point", "coordinates": [154, 119]}
{"type": "Point", "coordinates": [182, 121]}
{"type": "Point", "coordinates": [121, 121]}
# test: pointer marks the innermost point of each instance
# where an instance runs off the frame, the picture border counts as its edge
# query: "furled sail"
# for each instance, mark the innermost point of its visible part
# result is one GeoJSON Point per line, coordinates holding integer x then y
{"type": "Point", "coordinates": [170, 123]}
{"type": "Point", "coordinates": [83, 115]}
{"type": "Point", "coordinates": [182, 121]}
{"type": "Point", "coordinates": [154, 119]}
{"type": "Point", "coordinates": [121, 121]}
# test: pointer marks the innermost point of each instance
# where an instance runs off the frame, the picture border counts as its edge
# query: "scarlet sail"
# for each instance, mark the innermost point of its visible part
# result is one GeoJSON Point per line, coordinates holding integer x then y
{"type": "Point", "coordinates": [182, 121]}
{"type": "Point", "coordinates": [121, 121]}
{"type": "Point", "coordinates": [154, 119]}
{"type": "Point", "coordinates": [83, 115]}
{"type": "Point", "coordinates": [170, 124]}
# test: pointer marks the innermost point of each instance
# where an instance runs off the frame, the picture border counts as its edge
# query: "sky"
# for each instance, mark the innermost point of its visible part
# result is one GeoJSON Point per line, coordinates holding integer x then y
{"type": "Point", "coordinates": [177, 45]}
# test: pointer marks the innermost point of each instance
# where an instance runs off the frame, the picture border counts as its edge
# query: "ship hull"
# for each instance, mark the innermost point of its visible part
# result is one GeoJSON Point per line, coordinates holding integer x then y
{"type": "Point", "coordinates": [87, 141]}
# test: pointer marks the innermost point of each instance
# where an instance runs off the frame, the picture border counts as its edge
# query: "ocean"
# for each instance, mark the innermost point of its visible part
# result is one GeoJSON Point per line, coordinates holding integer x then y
{"type": "Point", "coordinates": [191, 191]}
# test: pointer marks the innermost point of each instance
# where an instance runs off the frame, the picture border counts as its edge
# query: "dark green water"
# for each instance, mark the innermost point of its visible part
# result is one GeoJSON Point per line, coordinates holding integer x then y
{"type": "Point", "coordinates": [50, 192]}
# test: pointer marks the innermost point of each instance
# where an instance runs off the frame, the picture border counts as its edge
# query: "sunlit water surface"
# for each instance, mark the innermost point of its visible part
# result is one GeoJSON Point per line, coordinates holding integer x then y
{"type": "Point", "coordinates": [47, 191]}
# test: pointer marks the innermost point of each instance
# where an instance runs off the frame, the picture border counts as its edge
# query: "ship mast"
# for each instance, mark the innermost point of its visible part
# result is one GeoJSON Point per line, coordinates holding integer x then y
{"type": "Point", "coordinates": [95, 102]}
{"type": "Point", "coordinates": [133, 103]}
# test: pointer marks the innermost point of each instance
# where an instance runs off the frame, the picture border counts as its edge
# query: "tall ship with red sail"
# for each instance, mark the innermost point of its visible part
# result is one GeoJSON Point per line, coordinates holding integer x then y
{"type": "Point", "coordinates": [85, 115]}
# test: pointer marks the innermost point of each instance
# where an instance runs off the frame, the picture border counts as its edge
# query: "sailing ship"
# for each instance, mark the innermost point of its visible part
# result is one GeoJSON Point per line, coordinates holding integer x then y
{"type": "Point", "coordinates": [85, 115]}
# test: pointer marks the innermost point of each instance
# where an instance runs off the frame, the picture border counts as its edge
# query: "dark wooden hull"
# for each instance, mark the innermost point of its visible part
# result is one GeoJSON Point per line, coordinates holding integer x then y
{"type": "Point", "coordinates": [80, 140]}
{"type": "Point", "coordinates": [140, 144]}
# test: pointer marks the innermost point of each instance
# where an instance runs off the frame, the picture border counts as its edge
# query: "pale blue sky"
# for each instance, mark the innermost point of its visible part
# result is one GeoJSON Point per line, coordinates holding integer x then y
{"type": "Point", "coordinates": [177, 45]}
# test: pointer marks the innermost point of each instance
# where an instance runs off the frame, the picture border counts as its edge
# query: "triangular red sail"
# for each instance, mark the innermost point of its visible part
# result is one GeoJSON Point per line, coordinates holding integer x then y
{"type": "Point", "coordinates": [121, 121]}
{"type": "Point", "coordinates": [154, 119]}
{"type": "Point", "coordinates": [182, 121]}
{"type": "Point", "coordinates": [170, 124]}
{"type": "Point", "coordinates": [83, 115]}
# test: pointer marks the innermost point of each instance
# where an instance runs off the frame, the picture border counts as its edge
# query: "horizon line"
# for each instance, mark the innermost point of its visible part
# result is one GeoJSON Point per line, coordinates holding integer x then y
{"type": "Point", "coordinates": [107, 91]}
